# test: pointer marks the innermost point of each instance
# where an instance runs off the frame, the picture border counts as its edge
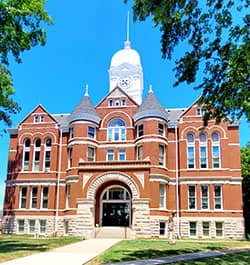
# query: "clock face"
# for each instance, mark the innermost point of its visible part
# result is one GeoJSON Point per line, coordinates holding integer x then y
{"type": "Point", "coordinates": [125, 82]}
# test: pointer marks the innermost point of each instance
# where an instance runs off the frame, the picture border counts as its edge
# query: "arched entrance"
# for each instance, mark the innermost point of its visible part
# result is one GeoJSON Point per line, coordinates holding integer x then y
{"type": "Point", "coordinates": [115, 206]}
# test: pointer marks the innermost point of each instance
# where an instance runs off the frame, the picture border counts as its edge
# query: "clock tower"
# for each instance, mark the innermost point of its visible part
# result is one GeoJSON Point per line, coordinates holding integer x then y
{"type": "Point", "coordinates": [126, 72]}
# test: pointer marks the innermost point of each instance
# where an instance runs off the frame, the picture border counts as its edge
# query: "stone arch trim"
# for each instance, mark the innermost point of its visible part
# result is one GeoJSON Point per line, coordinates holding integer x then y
{"type": "Point", "coordinates": [97, 182]}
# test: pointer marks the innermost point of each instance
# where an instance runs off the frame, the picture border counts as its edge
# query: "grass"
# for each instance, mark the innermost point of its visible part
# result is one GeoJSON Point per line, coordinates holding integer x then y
{"type": "Point", "coordinates": [15, 246]}
{"type": "Point", "coordinates": [145, 249]}
{"type": "Point", "coordinates": [229, 259]}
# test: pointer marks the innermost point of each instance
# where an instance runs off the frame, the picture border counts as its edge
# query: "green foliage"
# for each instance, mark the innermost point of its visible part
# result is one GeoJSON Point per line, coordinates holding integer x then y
{"type": "Point", "coordinates": [21, 29]}
{"type": "Point", "coordinates": [217, 32]}
{"type": "Point", "coordinates": [245, 167]}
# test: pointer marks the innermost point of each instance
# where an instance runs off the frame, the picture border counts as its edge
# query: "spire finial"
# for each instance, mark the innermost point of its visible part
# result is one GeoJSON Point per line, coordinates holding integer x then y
{"type": "Point", "coordinates": [127, 42]}
{"type": "Point", "coordinates": [86, 90]}
{"type": "Point", "coordinates": [150, 89]}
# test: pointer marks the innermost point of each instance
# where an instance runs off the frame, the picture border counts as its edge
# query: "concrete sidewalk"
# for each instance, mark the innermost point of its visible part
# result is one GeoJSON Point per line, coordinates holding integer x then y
{"type": "Point", "coordinates": [74, 254]}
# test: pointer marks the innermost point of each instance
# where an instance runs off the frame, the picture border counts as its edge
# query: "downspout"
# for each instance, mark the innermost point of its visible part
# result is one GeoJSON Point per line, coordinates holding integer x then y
{"type": "Point", "coordinates": [58, 181]}
{"type": "Point", "coordinates": [177, 182]}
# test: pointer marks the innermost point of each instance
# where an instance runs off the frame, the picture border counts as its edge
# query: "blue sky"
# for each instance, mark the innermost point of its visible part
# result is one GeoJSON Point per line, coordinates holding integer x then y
{"type": "Point", "coordinates": [78, 52]}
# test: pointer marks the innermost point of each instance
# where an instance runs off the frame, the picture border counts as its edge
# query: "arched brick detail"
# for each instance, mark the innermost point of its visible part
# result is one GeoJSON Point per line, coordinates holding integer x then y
{"type": "Point", "coordinates": [96, 183]}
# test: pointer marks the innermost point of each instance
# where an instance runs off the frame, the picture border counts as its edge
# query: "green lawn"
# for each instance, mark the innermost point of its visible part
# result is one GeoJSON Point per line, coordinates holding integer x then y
{"type": "Point", "coordinates": [145, 249]}
{"type": "Point", "coordinates": [229, 259]}
{"type": "Point", "coordinates": [14, 246]}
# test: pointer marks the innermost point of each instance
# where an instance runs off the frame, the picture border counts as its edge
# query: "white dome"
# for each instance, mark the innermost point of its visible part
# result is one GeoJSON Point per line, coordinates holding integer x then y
{"type": "Point", "coordinates": [127, 55]}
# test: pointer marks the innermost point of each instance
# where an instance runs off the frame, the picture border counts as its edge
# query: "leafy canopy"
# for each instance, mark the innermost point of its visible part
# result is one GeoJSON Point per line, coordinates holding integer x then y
{"type": "Point", "coordinates": [21, 28]}
{"type": "Point", "coordinates": [217, 32]}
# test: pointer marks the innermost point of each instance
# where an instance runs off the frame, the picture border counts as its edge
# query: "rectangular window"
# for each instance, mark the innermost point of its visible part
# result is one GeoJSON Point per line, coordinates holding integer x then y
{"type": "Point", "coordinates": [36, 119]}
{"type": "Point", "coordinates": [33, 198]}
{"type": "Point", "coordinates": [139, 152]}
{"type": "Point", "coordinates": [47, 161]}
{"type": "Point", "coordinates": [205, 229]}
{"type": "Point", "coordinates": [123, 102]}
{"type": "Point", "coordinates": [217, 197]}
{"type": "Point", "coordinates": [160, 129]}
{"type": "Point", "coordinates": [203, 156]}
{"type": "Point", "coordinates": [20, 224]}
{"type": "Point", "coordinates": [91, 132]}
{"type": "Point", "coordinates": [110, 155]}
{"type": "Point", "coordinates": [161, 155]}
{"type": "Point", "coordinates": [32, 225]}
{"type": "Point", "coordinates": [67, 196]}
{"type": "Point", "coordinates": [26, 160]}
{"type": "Point", "coordinates": [91, 154]}
{"type": "Point", "coordinates": [216, 156]}
{"type": "Point", "coordinates": [191, 197]}
{"type": "Point", "coordinates": [70, 154]}
{"type": "Point", "coordinates": [44, 197]}
{"type": "Point", "coordinates": [23, 197]}
{"type": "Point", "coordinates": [204, 197]}
{"type": "Point", "coordinates": [42, 226]}
{"type": "Point", "coordinates": [36, 162]}
{"type": "Point", "coordinates": [190, 157]}
{"type": "Point", "coordinates": [162, 228]}
{"type": "Point", "coordinates": [219, 229]}
{"type": "Point", "coordinates": [192, 229]}
{"type": "Point", "coordinates": [122, 155]}
{"type": "Point", "coordinates": [42, 119]}
{"type": "Point", "coordinates": [140, 130]}
{"type": "Point", "coordinates": [66, 227]}
{"type": "Point", "coordinates": [71, 132]}
{"type": "Point", "coordinates": [110, 103]}
{"type": "Point", "coordinates": [162, 196]}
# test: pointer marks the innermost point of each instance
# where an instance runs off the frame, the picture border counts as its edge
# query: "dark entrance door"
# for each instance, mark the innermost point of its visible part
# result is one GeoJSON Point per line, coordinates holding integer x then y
{"type": "Point", "coordinates": [115, 214]}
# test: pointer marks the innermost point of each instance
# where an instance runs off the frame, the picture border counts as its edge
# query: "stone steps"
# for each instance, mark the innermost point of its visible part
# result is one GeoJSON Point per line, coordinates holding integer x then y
{"type": "Point", "coordinates": [113, 232]}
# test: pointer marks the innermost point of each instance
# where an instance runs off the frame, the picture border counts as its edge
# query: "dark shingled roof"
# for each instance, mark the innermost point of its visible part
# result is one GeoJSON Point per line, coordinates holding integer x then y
{"type": "Point", "coordinates": [84, 111]}
{"type": "Point", "coordinates": [151, 107]}
{"type": "Point", "coordinates": [174, 116]}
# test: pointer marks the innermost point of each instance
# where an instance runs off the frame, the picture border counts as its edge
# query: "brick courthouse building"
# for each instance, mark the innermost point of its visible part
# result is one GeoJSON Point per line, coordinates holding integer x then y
{"type": "Point", "coordinates": [124, 165]}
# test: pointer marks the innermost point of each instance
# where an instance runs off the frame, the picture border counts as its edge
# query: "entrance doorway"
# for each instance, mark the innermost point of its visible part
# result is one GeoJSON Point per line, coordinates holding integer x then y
{"type": "Point", "coordinates": [115, 204]}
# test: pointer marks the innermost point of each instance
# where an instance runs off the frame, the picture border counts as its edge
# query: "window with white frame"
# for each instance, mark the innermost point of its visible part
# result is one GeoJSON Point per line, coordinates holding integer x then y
{"type": "Point", "coordinates": [23, 197]}
{"type": "Point", "coordinates": [110, 155]}
{"type": "Point", "coordinates": [139, 152]}
{"type": "Point", "coordinates": [116, 130]}
{"type": "Point", "coordinates": [32, 226]}
{"type": "Point", "coordinates": [110, 102]}
{"type": "Point", "coordinates": [123, 102]}
{"type": "Point", "coordinates": [191, 197]}
{"type": "Point", "coordinates": [198, 111]}
{"type": "Point", "coordinates": [26, 155]}
{"type": "Point", "coordinates": [217, 197]}
{"type": "Point", "coordinates": [193, 229]}
{"type": "Point", "coordinates": [219, 229]}
{"type": "Point", "coordinates": [190, 150]}
{"type": "Point", "coordinates": [68, 188]}
{"type": "Point", "coordinates": [36, 119]}
{"type": "Point", "coordinates": [33, 197]}
{"type": "Point", "coordinates": [20, 226]}
{"type": "Point", "coordinates": [42, 226]}
{"type": "Point", "coordinates": [216, 156]}
{"type": "Point", "coordinates": [203, 150]}
{"type": "Point", "coordinates": [47, 154]}
{"type": "Point", "coordinates": [122, 155]}
{"type": "Point", "coordinates": [161, 154]}
{"type": "Point", "coordinates": [70, 157]}
{"type": "Point", "coordinates": [206, 229]}
{"type": "Point", "coordinates": [71, 132]}
{"type": "Point", "coordinates": [162, 195]}
{"type": "Point", "coordinates": [45, 197]}
{"type": "Point", "coordinates": [204, 197]}
{"type": "Point", "coordinates": [162, 228]}
{"type": "Point", "coordinates": [91, 132]}
{"type": "Point", "coordinates": [140, 130]}
{"type": "Point", "coordinates": [41, 118]}
{"type": "Point", "coordinates": [161, 129]}
{"type": "Point", "coordinates": [36, 156]}
{"type": "Point", "coordinates": [91, 153]}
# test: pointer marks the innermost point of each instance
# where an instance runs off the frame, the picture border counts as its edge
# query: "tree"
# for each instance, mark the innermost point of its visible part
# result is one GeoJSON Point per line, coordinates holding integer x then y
{"type": "Point", "coordinates": [21, 29]}
{"type": "Point", "coordinates": [217, 34]}
{"type": "Point", "coordinates": [245, 167]}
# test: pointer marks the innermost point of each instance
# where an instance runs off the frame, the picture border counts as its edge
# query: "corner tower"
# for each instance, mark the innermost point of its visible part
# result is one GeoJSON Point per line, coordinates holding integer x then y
{"type": "Point", "coordinates": [126, 71]}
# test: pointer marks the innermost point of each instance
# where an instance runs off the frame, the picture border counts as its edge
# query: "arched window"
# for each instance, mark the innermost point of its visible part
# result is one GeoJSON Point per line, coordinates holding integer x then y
{"type": "Point", "coordinates": [190, 150]}
{"type": "Point", "coordinates": [203, 150]}
{"type": "Point", "coordinates": [36, 155]}
{"type": "Point", "coordinates": [26, 154]}
{"type": "Point", "coordinates": [216, 156]}
{"type": "Point", "coordinates": [116, 130]}
{"type": "Point", "coordinates": [47, 154]}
